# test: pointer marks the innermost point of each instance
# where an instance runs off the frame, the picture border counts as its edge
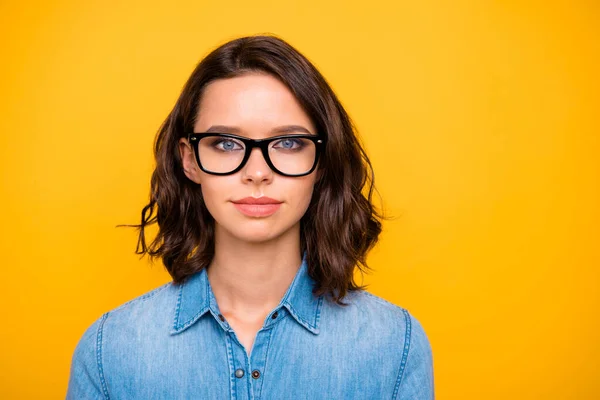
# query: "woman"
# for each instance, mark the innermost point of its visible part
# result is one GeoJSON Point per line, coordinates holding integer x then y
{"type": "Point", "coordinates": [257, 193]}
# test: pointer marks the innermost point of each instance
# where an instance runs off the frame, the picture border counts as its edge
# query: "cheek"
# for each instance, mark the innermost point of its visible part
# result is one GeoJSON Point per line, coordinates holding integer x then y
{"type": "Point", "coordinates": [300, 197]}
{"type": "Point", "coordinates": [214, 194]}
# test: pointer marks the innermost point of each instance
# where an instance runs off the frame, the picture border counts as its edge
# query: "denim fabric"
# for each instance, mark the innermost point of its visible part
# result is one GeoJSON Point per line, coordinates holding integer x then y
{"type": "Point", "coordinates": [171, 343]}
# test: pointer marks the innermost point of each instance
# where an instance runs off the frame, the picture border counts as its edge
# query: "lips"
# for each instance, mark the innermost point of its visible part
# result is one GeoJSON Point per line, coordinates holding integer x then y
{"type": "Point", "coordinates": [257, 200]}
{"type": "Point", "coordinates": [257, 206]}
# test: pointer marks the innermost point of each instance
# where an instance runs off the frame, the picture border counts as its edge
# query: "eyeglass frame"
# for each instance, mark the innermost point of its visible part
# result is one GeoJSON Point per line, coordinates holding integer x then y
{"type": "Point", "coordinates": [194, 139]}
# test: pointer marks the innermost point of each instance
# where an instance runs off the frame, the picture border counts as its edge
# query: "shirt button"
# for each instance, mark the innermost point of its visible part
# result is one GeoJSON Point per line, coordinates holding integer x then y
{"type": "Point", "coordinates": [239, 373]}
{"type": "Point", "coordinates": [274, 316]}
{"type": "Point", "coordinates": [221, 317]}
{"type": "Point", "coordinates": [256, 374]}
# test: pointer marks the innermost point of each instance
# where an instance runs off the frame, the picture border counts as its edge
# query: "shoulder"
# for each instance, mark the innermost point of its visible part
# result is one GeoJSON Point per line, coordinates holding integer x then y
{"type": "Point", "coordinates": [404, 321]}
{"type": "Point", "coordinates": [413, 349]}
{"type": "Point", "coordinates": [380, 319]}
{"type": "Point", "coordinates": [407, 321]}
{"type": "Point", "coordinates": [377, 311]}
{"type": "Point", "coordinates": [144, 300]}
{"type": "Point", "coordinates": [87, 371]}
{"type": "Point", "coordinates": [152, 306]}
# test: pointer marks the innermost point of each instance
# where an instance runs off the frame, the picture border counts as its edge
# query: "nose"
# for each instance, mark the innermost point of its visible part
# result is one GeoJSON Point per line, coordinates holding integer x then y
{"type": "Point", "coordinates": [256, 169]}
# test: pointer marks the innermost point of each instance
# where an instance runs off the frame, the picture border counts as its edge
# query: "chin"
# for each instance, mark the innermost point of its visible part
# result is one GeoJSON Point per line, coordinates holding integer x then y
{"type": "Point", "coordinates": [256, 236]}
{"type": "Point", "coordinates": [256, 230]}
{"type": "Point", "coordinates": [250, 230]}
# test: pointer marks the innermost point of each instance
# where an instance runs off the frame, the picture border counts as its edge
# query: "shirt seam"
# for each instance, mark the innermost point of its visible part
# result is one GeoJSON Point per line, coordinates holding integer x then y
{"type": "Point", "coordinates": [176, 318]}
{"type": "Point", "coordinates": [271, 332]}
{"type": "Point", "coordinates": [248, 368]}
{"type": "Point", "coordinates": [232, 367]}
{"type": "Point", "coordinates": [381, 300]}
{"type": "Point", "coordinates": [99, 356]}
{"type": "Point", "coordinates": [143, 297]}
{"type": "Point", "coordinates": [407, 342]}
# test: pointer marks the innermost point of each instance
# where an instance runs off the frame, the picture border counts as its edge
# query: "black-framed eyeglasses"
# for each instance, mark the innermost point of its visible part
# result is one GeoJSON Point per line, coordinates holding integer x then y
{"type": "Point", "coordinates": [226, 153]}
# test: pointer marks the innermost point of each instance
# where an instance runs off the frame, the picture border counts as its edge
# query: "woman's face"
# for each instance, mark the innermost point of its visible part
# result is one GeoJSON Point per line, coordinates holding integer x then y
{"type": "Point", "coordinates": [255, 106]}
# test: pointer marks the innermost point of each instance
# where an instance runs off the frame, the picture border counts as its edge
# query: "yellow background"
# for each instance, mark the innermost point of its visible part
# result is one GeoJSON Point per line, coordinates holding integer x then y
{"type": "Point", "coordinates": [481, 119]}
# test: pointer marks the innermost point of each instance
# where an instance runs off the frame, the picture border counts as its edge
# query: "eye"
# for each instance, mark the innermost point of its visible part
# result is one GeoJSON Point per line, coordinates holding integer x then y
{"type": "Point", "coordinates": [289, 144]}
{"type": "Point", "coordinates": [227, 144]}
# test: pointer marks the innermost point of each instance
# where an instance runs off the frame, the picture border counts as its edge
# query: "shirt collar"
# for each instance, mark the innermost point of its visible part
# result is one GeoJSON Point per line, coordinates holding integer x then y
{"type": "Point", "coordinates": [195, 298]}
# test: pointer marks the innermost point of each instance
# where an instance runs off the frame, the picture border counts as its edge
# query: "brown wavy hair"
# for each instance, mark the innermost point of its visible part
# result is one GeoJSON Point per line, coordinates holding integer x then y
{"type": "Point", "coordinates": [341, 224]}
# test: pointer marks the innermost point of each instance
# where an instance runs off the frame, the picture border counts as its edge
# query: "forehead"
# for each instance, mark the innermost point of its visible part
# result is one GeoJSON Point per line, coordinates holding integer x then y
{"type": "Point", "coordinates": [253, 102]}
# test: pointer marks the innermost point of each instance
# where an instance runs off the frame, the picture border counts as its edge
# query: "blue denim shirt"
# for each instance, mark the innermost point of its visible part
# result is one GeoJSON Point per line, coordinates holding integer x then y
{"type": "Point", "coordinates": [173, 343]}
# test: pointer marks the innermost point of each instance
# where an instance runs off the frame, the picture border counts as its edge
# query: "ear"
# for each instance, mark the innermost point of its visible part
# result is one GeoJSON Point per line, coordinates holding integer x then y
{"type": "Point", "coordinates": [319, 176]}
{"type": "Point", "coordinates": [188, 160]}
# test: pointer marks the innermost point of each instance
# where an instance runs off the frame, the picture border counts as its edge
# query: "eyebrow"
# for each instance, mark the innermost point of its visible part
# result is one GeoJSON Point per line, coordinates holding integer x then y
{"type": "Point", "coordinates": [276, 131]}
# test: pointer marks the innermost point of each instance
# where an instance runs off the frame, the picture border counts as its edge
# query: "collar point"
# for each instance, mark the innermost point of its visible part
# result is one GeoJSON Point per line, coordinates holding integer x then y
{"type": "Point", "coordinates": [178, 329]}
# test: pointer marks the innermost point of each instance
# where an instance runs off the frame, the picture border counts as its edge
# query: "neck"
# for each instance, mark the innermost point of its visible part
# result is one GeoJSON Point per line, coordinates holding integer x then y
{"type": "Point", "coordinates": [249, 279]}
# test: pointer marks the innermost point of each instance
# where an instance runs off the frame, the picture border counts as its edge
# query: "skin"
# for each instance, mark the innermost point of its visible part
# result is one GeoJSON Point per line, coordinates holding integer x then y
{"type": "Point", "coordinates": [256, 258]}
